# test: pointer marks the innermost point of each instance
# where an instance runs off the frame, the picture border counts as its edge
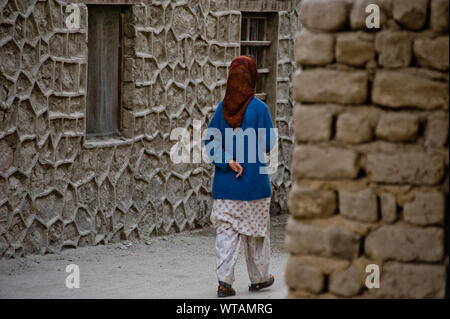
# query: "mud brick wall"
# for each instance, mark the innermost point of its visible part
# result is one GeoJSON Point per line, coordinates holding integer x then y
{"type": "Point", "coordinates": [59, 189]}
{"type": "Point", "coordinates": [371, 157]}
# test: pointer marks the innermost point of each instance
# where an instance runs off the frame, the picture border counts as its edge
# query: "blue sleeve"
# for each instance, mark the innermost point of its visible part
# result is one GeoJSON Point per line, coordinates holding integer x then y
{"type": "Point", "coordinates": [213, 143]}
{"type": "Point", "coordinates": [269, 139]}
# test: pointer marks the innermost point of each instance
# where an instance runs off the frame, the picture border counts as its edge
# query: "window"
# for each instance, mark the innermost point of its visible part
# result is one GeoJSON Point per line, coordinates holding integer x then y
{"type": "Point", "coordinates": [105, 69]}
{"type": "Point", "coordinates": [259, 39]}
{"type": "Point", "coordinates": [254, 43]}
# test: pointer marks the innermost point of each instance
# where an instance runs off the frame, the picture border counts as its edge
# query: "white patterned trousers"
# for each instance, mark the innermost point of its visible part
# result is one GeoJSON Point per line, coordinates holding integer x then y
{"type": "Point", "coordinates": [257, 254]}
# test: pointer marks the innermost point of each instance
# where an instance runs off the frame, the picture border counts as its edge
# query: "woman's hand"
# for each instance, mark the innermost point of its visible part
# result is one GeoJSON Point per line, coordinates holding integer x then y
{"type": "Point", "coordinates": [235, 166]}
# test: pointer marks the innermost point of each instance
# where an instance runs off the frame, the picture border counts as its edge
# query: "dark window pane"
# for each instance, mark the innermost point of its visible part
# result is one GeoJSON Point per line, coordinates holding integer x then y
{"type": "Point", "coordinates": [102, 115]}
{"type": "Point", "coordinates": [253, 29]}
{"type": "Point", "coordinates": [258, 54]}
{"type": "Point", "coordinates": [256, 29]}
{"type": "Point", "coordinates": [260, 83]}
{"type": "Point", "coordinates": [244, 28]}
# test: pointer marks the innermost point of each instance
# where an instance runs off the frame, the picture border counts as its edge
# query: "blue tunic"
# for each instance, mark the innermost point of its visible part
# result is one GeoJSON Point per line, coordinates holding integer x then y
{"type": "Point", "coordinates": [256, 138]}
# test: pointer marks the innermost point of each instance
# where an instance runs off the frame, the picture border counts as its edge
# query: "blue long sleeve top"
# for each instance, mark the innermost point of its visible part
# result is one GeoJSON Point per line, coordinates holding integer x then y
{"type": "Point", "coordinates": [246, 146]}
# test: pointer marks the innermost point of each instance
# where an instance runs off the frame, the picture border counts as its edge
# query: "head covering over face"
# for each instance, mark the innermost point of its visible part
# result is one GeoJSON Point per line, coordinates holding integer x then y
{"type": "Point", "coordinates": [240, 89]}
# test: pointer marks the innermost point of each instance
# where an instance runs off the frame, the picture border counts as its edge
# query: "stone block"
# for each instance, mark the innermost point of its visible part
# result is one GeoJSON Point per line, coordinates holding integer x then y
{"type": "Point", "coordinates": [313, 124]}
{"type": "Point", "coordinates": [397, 127]}
{"type": "Point", "coordinates": [330, 86]}
{"type": "Point", "coordinates": [427, 208]}
{"type": "Point", "coordinates": [311, 203]}
{"type": "Point", "coordinates": [314, 48]}
{"type": "Point", "coordinates": [354, 49]}
{"type": "Point", "coordinates": [129, 70]}
{"type": "Point", "coordinates": [320, 163]}
{"type": "Point", "coordinates": [354, 128]}
{"type": "Point", "coordinates": [135, 98]}
{"type": "Point", "coordinates": [325, 241]}
{"type": "Point", "coordinates": [432, 53]}
{"type": "Point", "coordinates": [399, 280]}
{"type": "Point", "coordinates": [350, 281]}
{"type": "Point", "coordinates": [361, 205]}
{"type": "Point", "coordinates": [411, 15]}
{"type": "Point", "coordinates": [405, 168]}
{"type": "Point", "coordinates": [303, 277]}
{"type": "Point", "coordinates": [326, 265]}
{"type": "Point", "coordinates": [388, 207]}
{"type": "Point", "coordinates": [405, 243]}
{"type": "Point", "coordinates": [402, 89]}
{"type": "Point", "coordinates": [436, 133]}
{"type": "Point", "coordinates": [324, 15]}
{"type": "Point", "coordinates": [439, 15]}
{"type": "Point", "coordinates": [394, 48]}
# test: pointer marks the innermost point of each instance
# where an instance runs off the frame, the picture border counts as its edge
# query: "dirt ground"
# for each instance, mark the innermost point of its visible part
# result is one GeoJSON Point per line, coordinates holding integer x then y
{"type": "Point", "coordinates": [175, 266]}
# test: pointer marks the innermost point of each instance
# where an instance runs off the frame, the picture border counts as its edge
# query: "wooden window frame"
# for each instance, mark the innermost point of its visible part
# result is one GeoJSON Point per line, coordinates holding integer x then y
{"type": "Point", "coordinates": [247, 44]}
{"type": "Point", "coordinates": [269, 66]}
{"type": "Point", "coordinates": [107, 2]}
{"type": "Point", "coordinates": [120, 75]}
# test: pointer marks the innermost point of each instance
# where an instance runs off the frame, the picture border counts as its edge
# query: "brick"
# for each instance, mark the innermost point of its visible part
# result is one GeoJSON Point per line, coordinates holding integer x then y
{"type": "Point", "coordinates": [388, 207]}
{"type": "Point", "coordinates": [303, 277]}
{"type": "Point", "coordinates": [411, 15]}
{"type": "Point", "coordinates": [436, 133]}
{"type": "Point", "coordinates": [427, 208]}
{"type": "Point", "coordinates": [354, 128]}
{"type": "Point", "coordinates": [402, 89]}
{"type": "Point", "coordinates": [432, 53]}
{"type": "Point", "coordinates": [326, 265]}
{"type": "Point", "coordinates": [345, 283]}
{"type": "Point", "coordinates": [324, 15]}
{"type": "Point", "coordinates": [397, 127]}
{"type": "Point", "coordinates": [325, 241]}
{"type": "Point", "coordinates": [314, 124]}
{"type": "Point", "coordinates": [354, 49]}
{"type": "Point", "coordinates": [323, 85]}
{"type": "Point", "coordinates": [129, 70]}
{"type": "Point", "coordinates": [127, 123]}
{"type": "Point", "coordinates": [311, 203]}
{"type": "Point", "coordinates": [314, 48]}
{"type": "Point", "coordinates": [302, 238]}
{"type": "Point", "coordinates": [320, 163]}
{"type": "Point", "coordinates": [405, 243]}
{"type": "Point", "coordinates": [338, 220]}
{"type": "Point", "coordinates": [135, 98]}
{"type": "Point", "coordinates": [405, 168]}
{"type": "Point", "coordinates": [360, 205]}
{"type": "Point", "coordinates": [439, 15]}
{"type": "Point", "coordinates": [394, 48]}
{"type": "Point", "coordinates": [400, 280]}
{"type": "Point", "coordinates": [349, 282]}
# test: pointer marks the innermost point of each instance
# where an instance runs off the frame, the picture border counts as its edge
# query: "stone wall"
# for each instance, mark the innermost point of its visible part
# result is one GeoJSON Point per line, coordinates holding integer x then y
{"type": "Point", "coordinates": [371, 161]}
{"type": "Point", "coordinates": [59, 189]}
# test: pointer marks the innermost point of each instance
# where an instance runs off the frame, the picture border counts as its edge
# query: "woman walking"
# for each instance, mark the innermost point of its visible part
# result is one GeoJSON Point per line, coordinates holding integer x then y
{"type": "Point", "coordinates": [238, 135]}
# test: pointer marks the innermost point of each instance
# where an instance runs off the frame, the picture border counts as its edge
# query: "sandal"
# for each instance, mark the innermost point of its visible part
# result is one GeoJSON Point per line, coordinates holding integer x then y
{"type": "Point", "coordinates": [265, 284]}
{"type": "Point", "coordinates": [225, 290]}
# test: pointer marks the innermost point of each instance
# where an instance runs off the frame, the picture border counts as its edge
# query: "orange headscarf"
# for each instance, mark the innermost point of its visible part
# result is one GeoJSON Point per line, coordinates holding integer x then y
{"type": "Point", "coordinates": [240, 89]}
